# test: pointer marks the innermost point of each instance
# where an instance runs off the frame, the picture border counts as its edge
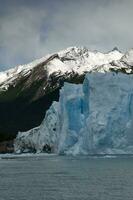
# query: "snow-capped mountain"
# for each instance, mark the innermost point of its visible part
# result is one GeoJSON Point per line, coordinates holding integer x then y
{"type": "Point", "coordinates": [27, 91]}
{"type": "Point", "coordinates": [73, 59]}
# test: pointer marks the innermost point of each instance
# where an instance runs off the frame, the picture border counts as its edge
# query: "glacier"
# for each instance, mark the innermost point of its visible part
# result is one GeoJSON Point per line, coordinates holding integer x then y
{"type": "Point", "coordinates": [95, 117]}
{"type": "Point", "coordinates": [37, 139]}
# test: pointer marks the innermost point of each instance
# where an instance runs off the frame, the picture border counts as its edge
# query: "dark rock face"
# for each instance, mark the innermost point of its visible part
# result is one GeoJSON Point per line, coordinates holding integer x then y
{"type": "Point", "coordinates": [6, 147]}
{"type": "Point", "coordinates": [24, 104]}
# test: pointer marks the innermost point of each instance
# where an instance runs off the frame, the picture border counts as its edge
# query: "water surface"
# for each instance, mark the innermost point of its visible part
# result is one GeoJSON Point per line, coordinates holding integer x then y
{"type": "Point", "coordinates": [66, 178]}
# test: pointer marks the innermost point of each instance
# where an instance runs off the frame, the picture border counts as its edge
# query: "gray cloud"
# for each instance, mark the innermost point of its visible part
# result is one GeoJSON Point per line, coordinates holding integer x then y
{"type": "Point", "coordinates": [20, 34]}
{"type": "Point", "coordinates": [30, 31]}
{"type": "Point", "coordinates": [99, 25]}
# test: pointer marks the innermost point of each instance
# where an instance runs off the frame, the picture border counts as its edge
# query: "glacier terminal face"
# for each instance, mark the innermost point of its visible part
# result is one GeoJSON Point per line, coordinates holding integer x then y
{"type": "Point", "coordinates": [42, 138]}
{"type": "Point", "coordinates": [93, 118]}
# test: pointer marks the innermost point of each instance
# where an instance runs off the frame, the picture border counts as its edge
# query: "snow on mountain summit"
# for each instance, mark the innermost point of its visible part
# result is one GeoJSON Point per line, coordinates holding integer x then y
{"type": "Point", "coordinates": [6, 77]}
{"type": "Point", "coordinates": [82, 59]}
{"type": "Point", "coordinates": [128, 57]}
{"type": "Point", "coordinates": [72, 59]}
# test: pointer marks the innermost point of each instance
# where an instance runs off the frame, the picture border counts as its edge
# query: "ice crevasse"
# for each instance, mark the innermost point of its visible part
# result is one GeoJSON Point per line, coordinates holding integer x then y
{"type": "Point", "coordinates": [93, 118]}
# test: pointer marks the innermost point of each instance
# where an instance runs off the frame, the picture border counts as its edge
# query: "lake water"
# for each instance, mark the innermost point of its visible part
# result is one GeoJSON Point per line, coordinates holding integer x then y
{"type": "Point", "coordinates": [66, 178]}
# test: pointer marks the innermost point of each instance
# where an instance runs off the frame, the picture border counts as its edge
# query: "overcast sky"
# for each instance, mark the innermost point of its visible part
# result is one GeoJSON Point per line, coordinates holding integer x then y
{"type": "Point", "coordinates": [30, 29]}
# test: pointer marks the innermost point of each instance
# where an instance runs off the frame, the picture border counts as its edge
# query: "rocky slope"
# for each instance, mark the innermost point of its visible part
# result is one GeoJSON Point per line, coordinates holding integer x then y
{"type": "Point", "coordinates": [27, 91]}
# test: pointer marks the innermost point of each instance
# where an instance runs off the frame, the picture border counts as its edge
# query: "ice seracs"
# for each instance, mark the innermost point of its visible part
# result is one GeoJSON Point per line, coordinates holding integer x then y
{"type": "Point", "coordinates": [35, 140]}
{"type": "Point", "coordinates": [93, 118]}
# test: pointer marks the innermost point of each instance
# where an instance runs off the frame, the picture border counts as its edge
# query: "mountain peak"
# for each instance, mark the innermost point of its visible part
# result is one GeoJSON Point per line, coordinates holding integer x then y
{"type": "Point", "coordinates": [73, 51]}
{"type": "Point", "coordinates": [128, 57]}
{"type": "Point", "coordinates": [77, 59]}
{"type": "Point", "coordinates": [116, 49]}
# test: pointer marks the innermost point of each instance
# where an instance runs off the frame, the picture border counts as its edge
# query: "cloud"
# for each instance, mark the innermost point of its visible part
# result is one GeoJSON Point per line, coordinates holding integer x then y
{"type": "Point", "coordinates": [29, 31]}
{"type": "Point", "coordinates": [95, 24]}
{"type": "Point", "coordinates": [20, 34]}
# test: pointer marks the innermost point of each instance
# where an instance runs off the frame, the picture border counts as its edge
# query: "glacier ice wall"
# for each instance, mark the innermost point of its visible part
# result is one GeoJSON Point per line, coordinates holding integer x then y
{"type": "Point", "coordinates": [41, 138]}
{"type": "Point", "coordinates": [93, 118]}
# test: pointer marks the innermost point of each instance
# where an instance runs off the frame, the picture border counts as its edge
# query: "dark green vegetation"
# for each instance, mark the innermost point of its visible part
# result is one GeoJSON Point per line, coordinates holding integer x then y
{"type": "Point", "coordinates": [24, 104]}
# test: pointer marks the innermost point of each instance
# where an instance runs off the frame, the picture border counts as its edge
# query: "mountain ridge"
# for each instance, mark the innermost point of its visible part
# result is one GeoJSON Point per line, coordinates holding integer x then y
{"type": "Point", "coordinates": [70, 54]}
